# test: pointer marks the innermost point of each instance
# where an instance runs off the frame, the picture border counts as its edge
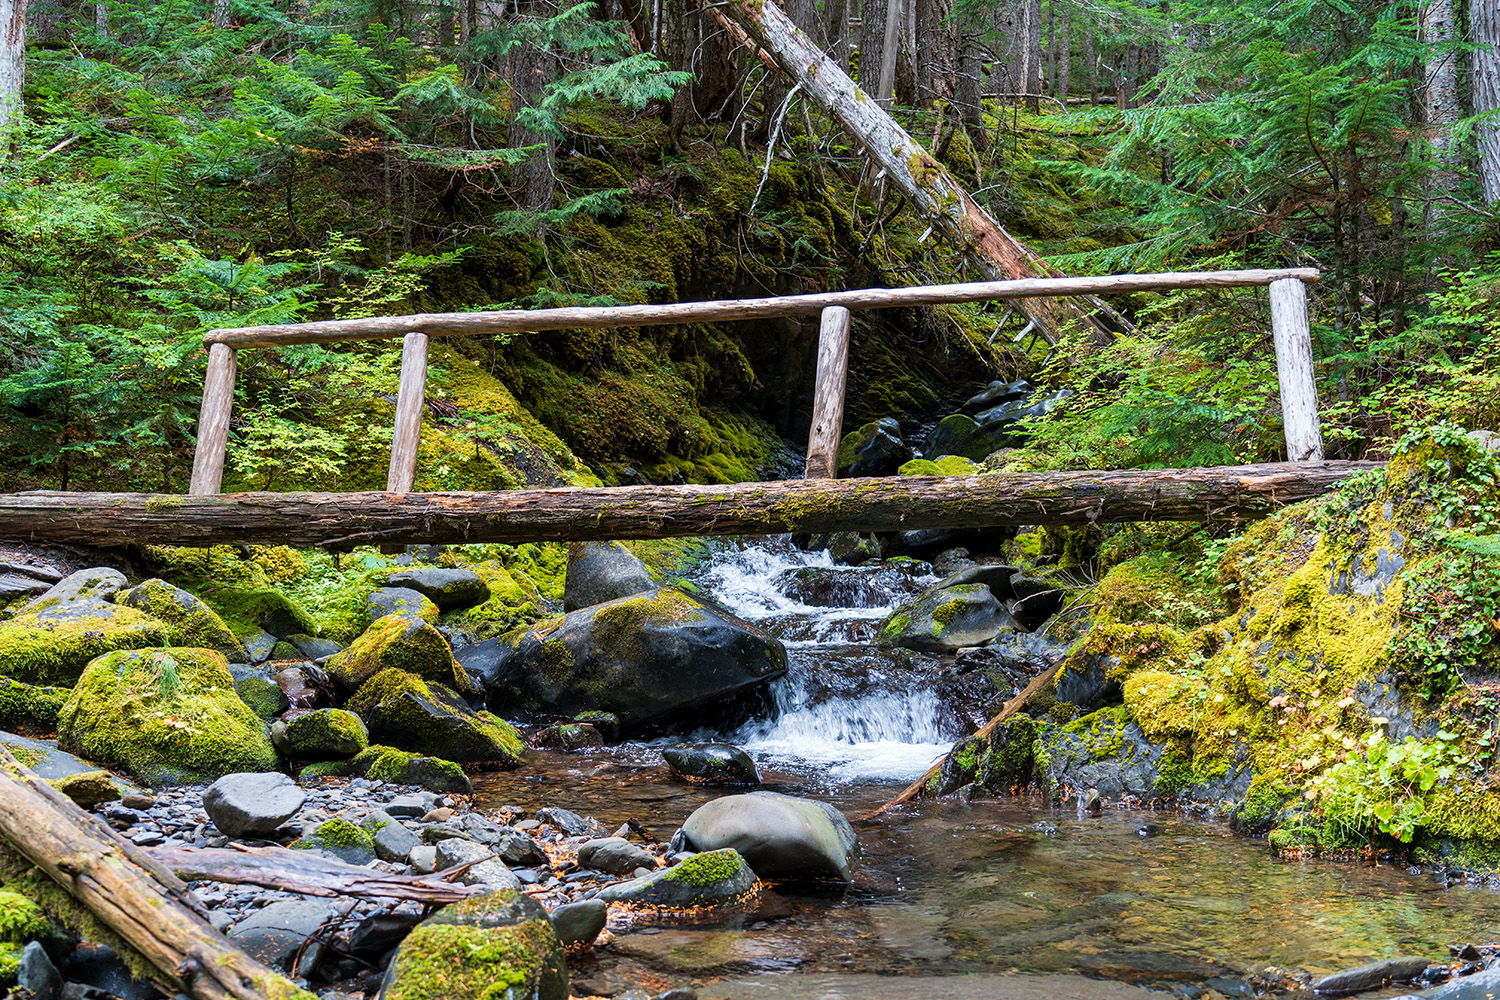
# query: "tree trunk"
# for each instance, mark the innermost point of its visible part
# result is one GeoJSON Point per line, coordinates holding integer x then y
{"type": "Point", "coordinates": [896, 503]}
{"type": "Point", "coordinates": [871, 43]}
{"type": "Point", "coordinates": [1064, 55]}
{"type": "Point", "coordinates": [891, 40]}
{"type": "Point", "coordinates": [221, 14]}
{"type": "Point", "coordinates": [1051, 49]}
{"type": "Point", "coordinates": [1125, 90]}
{"type": "Point", "coordinates": [132, 894]}
{"type": "Point", "coordinates": [1440, 108]}
{"type": "Point", "coordinates": [12, 68]}
{"type": "Point", "coordinates": [836, 32]}
{"type": "Point", "coordinates": [1033, 55]}
{"type": "Point", "coordinates": [1484, 24]}
{"type": "Point", "coordinates": [924, 182]}
{"type": "Point", "coordinates": [1089, 59]}
{"type": "Point", "coordinates": [967, 86]}
{"type": "Point", "coordinates": [716, 68]}
{"type": "Point", "coordinates": [305, 873]}
{"type": "Point", "coordinates": [531, 69]}
{"type": "Point", "coordinates": [936, 41]}
{"type": "Point", "coordinates": [678, 52]}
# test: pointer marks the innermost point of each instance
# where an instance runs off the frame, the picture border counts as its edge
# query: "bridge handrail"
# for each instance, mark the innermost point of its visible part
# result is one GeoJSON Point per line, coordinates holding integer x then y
{"type": "Point", "coordinates": [1289, 327]}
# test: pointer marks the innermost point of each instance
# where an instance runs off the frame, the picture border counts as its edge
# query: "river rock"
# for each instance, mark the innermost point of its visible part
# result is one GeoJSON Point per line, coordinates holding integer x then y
{"type": "Point", "coordinates": [995, 394]}
{"type": "Point", "coordinates": [166, 716]}
{"type": "Point", "coordinates": [54, 642]}
{"type": "Point", "coordinates": [97, 583]}
{"type": "Point", "coordinates": [875, 449]}
{"type": "Point", "coordinates": [1372, 976]}
{"type": "Point", "coordinates": [264, 696]}
{"type": "Point", "coordinates": [488, 869]}
{"type": "Point", "coordinates": [644, 658]}
{"type": "Point", "coordinates": [712, 878]}
{"type": "Point", "coordinates": [89, 789]}
{"type": "Point", "coordinates": [322, 734]}
{"type": "Point", "coordinates": [36, 975]}
{"type": "Point", "coordinates": [449, 589]}
{"type": "Point", "coordinates": [193, 622]}
{"type": "Point", "coordinates": [568, 736]}
{"type": "Point", "coordinates": [603, 571]}
{"type": "Point", "coordinates": [274, 933]}
{"type": "Point", "coordinates": [1038, 597]}
{"type": "Point", "coordinates": [1482, 985]}
{"type": "Point", "coordinates": [995, 576]}
{"type": "Point", "coordinates": [402, 643]}
{"type": "Point", "coordinates": [391, 840]}
{"type": "Point", "coordinates": [405, 711]}
{"type": "Point", "coordinates": [264, 610]}
{"type": "Point", "coordinates": [581, 922]}
{"type": "Point", "coordinates": [500, 946]}
{"type": "Point", "coordinates": [615, 855]}
{"type": "Point", "coordinates": [339, 838]}
{"type": "Point", "coordinates": [380, 932]}
{"type": "Point", "coordinates": [570, 822]}
{"type": "Point", "coordinates": [252, 805]}
{"type": "Point", "coordinates": [712, 764]}
{"type": "Point", "coordinates": [944, 619]}
{"type": "Point", "coordinates": [43, 757]}
{"type": "Point", "coordinates": [402, 601]}
{"type": "Point", "coordinates": [777, 834]}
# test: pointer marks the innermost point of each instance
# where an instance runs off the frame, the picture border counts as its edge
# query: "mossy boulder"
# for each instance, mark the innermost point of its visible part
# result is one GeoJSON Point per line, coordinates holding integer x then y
{"type": "Point", "coordinates": [398, 643]}
{"type": "Point", "coordinates": [948, 465]}
{"type": "Point", "coordinates": [998, 763]}
{"type": "Point", "coordinates": [649, 657]}
{"type": "Point", "coordinates": [711, 879]}
{"type": "Point", "coordinates": [944, 619]}
{"type": "Point", "coordinates": [1094, 673]}
{"type": "Point", "coordinates": [97, 583]}
{"type": "Point", "coordinates": [874, 449]}
{"type": "Point", "coordinates": [401, 601]}
{"type": "Point", "coordinates": [21, 920]}
{"type": "Point", "coordinates": [499, 946]}
{"type": "Point", "coordinates": [193, 622]}
{"type": "Point", "coordinates": [777, 834]}
{"type": "Point", "coordinates": [403, 710]}
{"type": "Point", "coordinates": [1152, 588]}
{"type": "Point", "coordinates": [449, 589]}
{"type": "Point", "coordinates": [29, 708]}
{"type": "Point", "coordinates": [603, 571]}
{"type": "Point", "coordinates": [383, 763]}
{"type": "Point", "coordinates": [53, 645]}
{"type": "Point", "coordinates": [248, 611]}
{"type": "Point", "coordinates": [322, 734]}
{"type": "Point", "coordinates": [89, 789]}
{"type": "Point", "coordinates": [264, 696]}
{"type": "Point", "coordinates": [350, 843]}
{"type": "Point", "coordinates": [166, 716]}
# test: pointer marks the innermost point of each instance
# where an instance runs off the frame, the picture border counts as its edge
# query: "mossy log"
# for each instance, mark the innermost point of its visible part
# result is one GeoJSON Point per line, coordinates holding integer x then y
{"type": "Point", "coordinates": [304, 872]}
{"type": "Point", "coordinates": [130, 892]}
{"type": "Point", "coordinates": [896, 503]}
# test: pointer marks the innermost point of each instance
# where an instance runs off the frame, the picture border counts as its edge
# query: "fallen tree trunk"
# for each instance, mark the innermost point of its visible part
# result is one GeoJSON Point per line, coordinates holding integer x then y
{"type": "Point", "coordinates": [299, 871]}
{"type": "Point", "coordinates": [896, 503]}
{"type": "Point", "coordinates": [925, 182]}
{"type": "Point", "coordinates": [131, 893]}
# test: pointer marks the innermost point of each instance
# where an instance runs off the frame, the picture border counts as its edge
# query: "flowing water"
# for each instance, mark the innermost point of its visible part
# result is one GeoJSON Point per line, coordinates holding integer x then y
{"type": "Point", "coordinates": [970, 899]}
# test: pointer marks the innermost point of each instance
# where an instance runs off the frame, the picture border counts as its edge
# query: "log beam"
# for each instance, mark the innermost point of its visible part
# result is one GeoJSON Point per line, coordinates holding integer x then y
{"type": "Point", "coordinates": [828, 395]}
{"type": "Point", "coordinates": [896, 503]}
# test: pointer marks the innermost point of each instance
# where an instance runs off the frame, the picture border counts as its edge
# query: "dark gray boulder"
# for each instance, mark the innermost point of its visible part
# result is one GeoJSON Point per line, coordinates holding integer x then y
{"type": "Point", "coordinates": [247, 804]}
{"type": "Point", "coordinates": [615, 855]}
{"type": "Point", "coordinates": [403, 601]}
{"type": "Point", "coordinates": [603, 571]}
{"type": "Point", "coordinates": [944, 619]}
{"type": "Point", "coordinates": [1372, 976]}
{"type": "Point", "coordinates": [391, 840]}
{"type": "Point", "coordinates": [37, 976]}
{"type": "Point", "coordinates": [274, 933]}
{"type": "Point", "coordinates": [581, 922]}
{"type": "Point", "coordinates": [447, 588]}
{"type": "Point", "coordinates": [711, 879]}
{"type": "Point", "coordinates": [777, 834]}
{"type": "Point", "coordinates": [875, 449]}
{"type": "Point", "coordinates": [1484, 985]}
{"type": "Point", "coordinates": [995, 394]}
{"type": "Point", "coordinates": [644, 658]}
{"type": "Point", "coordinates": [712, 764]}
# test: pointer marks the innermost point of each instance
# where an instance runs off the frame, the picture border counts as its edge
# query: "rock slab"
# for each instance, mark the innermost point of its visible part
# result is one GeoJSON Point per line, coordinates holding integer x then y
{"type": "Point", "coordinates": [252, 805]}
{"type": "Point", "coordinates": [776, 834]}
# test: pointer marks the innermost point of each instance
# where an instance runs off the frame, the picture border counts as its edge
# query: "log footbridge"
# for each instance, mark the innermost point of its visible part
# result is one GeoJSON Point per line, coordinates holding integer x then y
{"type": "Point", "coordinates": [817, 503]}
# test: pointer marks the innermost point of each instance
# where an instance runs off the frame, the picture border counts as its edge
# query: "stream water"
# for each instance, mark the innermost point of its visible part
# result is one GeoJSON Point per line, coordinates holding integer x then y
{"type": "Point", "coordinates": [970, 899]}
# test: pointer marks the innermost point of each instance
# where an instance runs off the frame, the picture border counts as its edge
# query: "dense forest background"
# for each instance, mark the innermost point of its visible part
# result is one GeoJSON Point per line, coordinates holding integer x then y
{"type": "Point", "coordinates": [178, 166]}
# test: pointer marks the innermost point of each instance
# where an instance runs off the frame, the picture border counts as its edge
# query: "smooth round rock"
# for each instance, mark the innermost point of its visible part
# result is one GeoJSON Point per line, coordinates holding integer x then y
{"type": "Point", "coordinates": [710, 879]}
{"type": "Point", "coordinates": [777, 834]}
{"type": "Point", "coordinates": [615, 855]}
{"type": "Point", "coordinates": [252, 805]}
{"type": "Point", "coordinates": [580, 923]}
{"type": "Point", "coordinates": [712, 764]}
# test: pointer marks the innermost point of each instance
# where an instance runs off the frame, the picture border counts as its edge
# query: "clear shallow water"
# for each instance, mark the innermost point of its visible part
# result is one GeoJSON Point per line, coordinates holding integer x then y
{"type": "Point", "coordinates": [969, 890]}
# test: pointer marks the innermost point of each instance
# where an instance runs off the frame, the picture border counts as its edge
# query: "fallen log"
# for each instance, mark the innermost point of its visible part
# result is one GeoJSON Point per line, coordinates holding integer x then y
{"type": "Point", "coordinates": [928, 186]}
{"type": "Point", "coordinates": [302, 872]}
{"type": "Point", "coordinates": [130, 892]}
{"type": "Point", "coordinates": [895, 503]}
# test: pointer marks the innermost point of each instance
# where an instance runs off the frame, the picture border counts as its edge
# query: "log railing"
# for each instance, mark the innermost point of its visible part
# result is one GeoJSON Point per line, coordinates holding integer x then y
{"type": "Point", "coordinates": [1289, 326]}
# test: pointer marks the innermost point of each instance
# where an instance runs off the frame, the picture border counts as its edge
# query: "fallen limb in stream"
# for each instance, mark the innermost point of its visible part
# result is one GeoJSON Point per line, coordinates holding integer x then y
{"type": "Point", "coordinates": [129, 892]}
{"type": "Point", "coordinates": [304, 872]}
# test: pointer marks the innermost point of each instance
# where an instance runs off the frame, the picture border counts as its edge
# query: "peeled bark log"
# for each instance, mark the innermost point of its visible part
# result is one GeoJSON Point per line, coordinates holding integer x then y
{"type": "Point", "coordinates": [301, 872]}
{"type": "Point", "coordinates": [132, 893]}
{"type": "Point", "coordinates": [926, 183]}
{"type": "Point", "coordinates": [896, 503]}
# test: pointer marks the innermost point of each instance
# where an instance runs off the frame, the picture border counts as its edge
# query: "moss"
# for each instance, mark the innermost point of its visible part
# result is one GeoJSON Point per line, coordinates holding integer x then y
{"type": "Point", "coordinates": [47, 651]}
{"type": "Point", "coordinates": [263, 695]}
{"type": "Point", "coordinates": [262, 610]}
{"type": "Point", "coordinates": [337, 833]}
{"type": "Point", "coordinates": [193, 622]}
{"type": "Point", "coordinates": [1102, 731]}
{"type": "Point", "coordinates": [88, 789]}
{"type": "Point", "coordinates": [948, 465]}
{"type": "Point", "coordinates": [328, 731]}
{"type": "Point", "coordinates": [442, 961]}
{"type": "Point", "coordinates": [706, 869]}
{"type": "Point", "coordinates": [1151, 588]}
{"type": "Point", "coordinates": [618, 624]}
{"type": "Point", "coordinates": [389, 764]}
{"type": "Point", "coordinates": [397, 643]}
{"type": "Point", "coordinates": [28, 756]}
{"type": "Point", "coordinates": [29, 709]}
{"type": "Point", "coordinates": [165, 715]}
{"type": "Point", "coordinates": [21, 919]}
{"type": "Point", "coordinates": [1124, 649]}
{"type": "Point", "coordinates": [429, 718]}
{"type": "Point", "coordinates": [896, 625]}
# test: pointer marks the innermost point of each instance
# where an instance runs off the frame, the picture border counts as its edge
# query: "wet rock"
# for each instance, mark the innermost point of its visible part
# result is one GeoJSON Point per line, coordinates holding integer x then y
{"type": "Point", "coordinates": [712, 764]}
{"type": "Point", "coordinates": [710, 879]}
{"type": "Point", "coordinates": [848, 548]}
{"type": "Point", "coordinates": [995, 394]}
{"type": "Point", "coordinates": [571, 823]}
{"type": "Point", "coordinates": [991, 765]}
{"type": "Point", "coordinates": [644, 658]}
{"type": "Point", "coordinates": [322, 734]}
{"type": "Point", "coordinates": [37, 976]}
{"type": "Point", "coordinates": [995, 576]}
{"type": "Point", "coordinates": [1086, 682]}
{"type": "Point", "coordinates": [1372, 976]}
{"type": "Point", "coordinates": [1482, 985]}
{"type": "Point", "coordinates": [92, 969]}
{"type": "Point", "coordinates": [391, 840]}
{"type": "Point", "coordinates": [487, 868]}
{"type": "Point", "coordinates": [501, 939]}
{"type": "Point", "coordinates": [580, 923]}
{"type": "Point", "coordinates": [615, 855]}
{"type": "Point", "coordinates": [252, 805]}
{"type": "Point", "coordinates": [314, 647]}
{"type": "Point", "coordinates": [43, 757]}
{"type": "Point", "coordinates": [193, 622]}
{"type": "Point", "coordinates": [951, 561]}
{"type": "Point", "coordinates": [449, 589]}
{"type": "Point", "coordinates": [944, 619]}
{"type": "Point", "coordinates": [395, 642]}
{"type": "Point", "coordinates": [568, 736]}
{"type": "Point", "coordinates": [403, 602]}
{"type": "Point", "coordinates": [1045, 827]}
{"type": "Point", "coordinates": [89, 789]}
{"type": "Point", "coordinates": [607, 724]}
{"type": "Point", "coordinates": [341, 839]}
{"type": "Point", "coordinates": [404, 711]}
{"type": "Point", "coordinates": [380, 932]}
{"type": "Point", "coordinates": [776, 834]}
{"type": "Point", "coordinates": [274, 933]}
{"type": "Point", "coordinates": [1037, 598]}
{"type": "Point", "coordinates": [875, 449]}
{"type": "Point", "coordinates": [603, 571]}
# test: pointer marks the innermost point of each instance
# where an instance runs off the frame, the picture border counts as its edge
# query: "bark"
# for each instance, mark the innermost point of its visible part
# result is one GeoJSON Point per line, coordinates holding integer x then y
{"type": "Point", "coordinates": [1089, 61]}
{"type": "Point", "coordinates": [1064, 54]}
{"type": "Point", "coordinates": [927, 186]}
{"type": "Point", "coordinates": [937, 37]}
{"type": "Point", "coordinates": [1004, 69]}
{"type": "Point", "coordinates": [1033, 75]}
{"type": "Point", "coordinates": [221, 14]}
{"type": "Point", "coordinates": [130, 892]}
{"type": "Point", "coordinates": [967, 83]}
{"type": "Point", "coordinates": [1484, 25]}
{"type": "Point", "coordinates": [1440, 107]}
{"type": "Point", "coordinates": [1125, 89]}
{"type": "Point", "coordinates": [531, 68]}
{"type": "Point", "coordinates": [301, 872]}
{"type": "Point", "coordinates": [897, 503]}
{"type": "Point", "coordinates": [1052, 49]}
{"type": "Point", "coordinates": [715, 68]}
{"type": "Point", "coordinates": [679, 41]}
{"type": "Point", "coordinates": [886, 87]}
{"type": "Point", "coordinates": [836, 32]}
{"type": "Point", "coordinates": [12, 67]}
{"type": "Point", "coordinates": [871, 43]}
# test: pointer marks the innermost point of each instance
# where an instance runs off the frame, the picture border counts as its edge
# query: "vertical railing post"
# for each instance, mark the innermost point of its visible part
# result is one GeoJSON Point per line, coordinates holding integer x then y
{"type": "Point", "coordinates": [828, 396]}
{"type": "Point", "coordinates": [410, 401]}
{"type": "Point", "coordinates": [1294, 370]}
{"type": "Point", "coordinates": [213, 422]}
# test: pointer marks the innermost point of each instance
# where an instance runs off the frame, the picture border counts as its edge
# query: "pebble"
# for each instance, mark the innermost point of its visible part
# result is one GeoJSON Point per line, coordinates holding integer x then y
{"type": "Point", "coordinates": [438, 815]}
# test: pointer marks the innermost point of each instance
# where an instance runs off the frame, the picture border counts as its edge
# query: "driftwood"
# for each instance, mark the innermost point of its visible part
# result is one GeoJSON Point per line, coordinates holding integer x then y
{"type": "Point", "coordinates": [918, 788]}
{"type": "Point", "coordinates": [132, 893]}
{"type": "Point", "coordinates": [302, 872]}
{"type": "Point", "coordinates": [896, 503]}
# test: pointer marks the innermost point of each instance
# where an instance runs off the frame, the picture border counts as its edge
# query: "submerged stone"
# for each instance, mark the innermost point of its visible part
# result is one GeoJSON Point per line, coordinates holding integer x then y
{"type": "Point", "coordinates": [712, 764]}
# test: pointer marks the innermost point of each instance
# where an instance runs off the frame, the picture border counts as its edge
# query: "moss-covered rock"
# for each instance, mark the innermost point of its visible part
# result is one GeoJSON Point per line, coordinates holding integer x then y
{"type": "Point", "coordinates": [398, 643]}
{"type": "Point", "coordinates": [711, 879]}
{"type": "Point", "coordinates": [346, 841]}
{"type": "Point", "coordinates": [1094, 672]}
{"type": "Point", "coordinates": [88, 789]}
{"type": "Point", "coordinates": [193, 622]}
{"type": "Point", "coordinates": [499, 946]}
{"type": "Point", "coordinates": [948, 465]}
{"type": "Point", "coordinates": [52, 646]}
{"type": "Point", "coordinates": [944, 619]}
{"type": "Point", "coordinates": [382, 763]}
{"type": "Point", "coordinates": [874, 449]}
{"type": "Point", "coordinates": [21, 920]}
{"type": "Point", "coordinates": [405, 711]}
{"type": "Point", "coordinates": [29, 708]}
{"type": "Point", "coordinates": [247, 611]}
{"type": "Point", "coordinates": [1002, 762]}
{"type": "Point", "coordinates": [401, 601]}
{"type": "Point", "coordinates": [166, 716]}
{"type": "Point", "coordinates": [322, 734]}
{"type": "Point", "coordinates": [264, 696]}
{"type": "Point", "coordinates": [1151, 588]}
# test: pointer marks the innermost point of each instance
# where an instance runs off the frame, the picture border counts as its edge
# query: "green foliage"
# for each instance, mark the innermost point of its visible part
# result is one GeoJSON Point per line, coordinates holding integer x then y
{"type": "Point", "coordinates": [1386, 786]}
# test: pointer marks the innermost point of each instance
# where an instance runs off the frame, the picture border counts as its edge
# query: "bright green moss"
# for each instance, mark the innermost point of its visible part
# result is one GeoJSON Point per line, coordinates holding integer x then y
{"type": "Point", "coordinates": [21, 919]}
{"type": "Point", "coordinates": [948, 465]}
{"type": "Point", "coordinates": [28, 709]}
{"type": "Point", "coordinates": [45, 651]}
{"type": "Point", "coordinates": [329, 731]}
{"type": "Point", "coordinates": [336, 833]}
{"type": "Point", "coordinates": [1102, 732]}
{"type": "Point", "coordinates": [428, 718]}
{"type": "Point", "coordinates": [396, 643]}
{"type": "Point", "coordinates": [28, 756]}
{"type": "Point", "coordinates": [263, 695]}
{"type": "Point", "coordinates": [192, 621]}
{"type": "Point", "coordinates": [249, 611]}
{"type": "Point", "coordinates": [446, 961]}
{"type": "Point", "coordinates": [1151, 588]}
{"type": "Point", "coordinates": [706, 869]}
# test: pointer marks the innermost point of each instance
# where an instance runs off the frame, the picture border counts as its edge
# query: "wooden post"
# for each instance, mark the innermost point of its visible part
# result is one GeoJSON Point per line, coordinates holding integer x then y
{"type": "Point", "coordinates": [213, 421]}
{"type": "Point", "coordinates": [828, 397]}
{"type": "Point", "coordinates": [1294, 370]}
{"type": "Point", "coordinates": [410, 399]}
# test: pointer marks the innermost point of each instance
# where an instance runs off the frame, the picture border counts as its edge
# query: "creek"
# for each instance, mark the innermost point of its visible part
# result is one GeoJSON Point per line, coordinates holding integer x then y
{"type": "Point", "coordinates": [979, 899]}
